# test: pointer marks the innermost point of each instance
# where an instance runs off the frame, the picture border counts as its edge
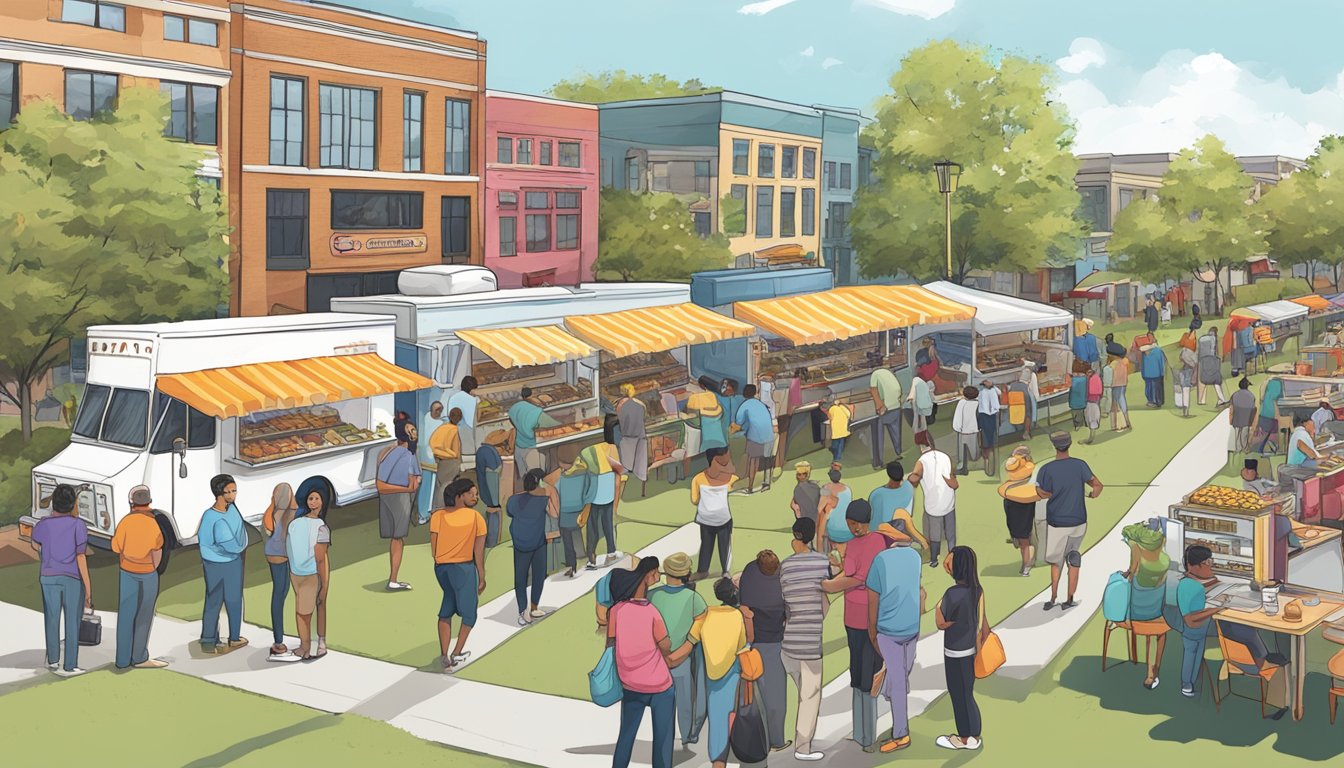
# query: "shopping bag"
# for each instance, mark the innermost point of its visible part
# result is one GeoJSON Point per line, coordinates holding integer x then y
{"type": "Point", "coordinates": [604, 684]}
{"type": "Point", "coordinates": [90, 629]}
{"type": "Point", "coordinates": [747, 735]}
{"type": "Point", "coordinates": [989, 654]}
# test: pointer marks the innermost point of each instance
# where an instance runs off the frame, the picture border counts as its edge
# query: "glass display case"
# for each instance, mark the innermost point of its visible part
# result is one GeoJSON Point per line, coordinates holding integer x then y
{"type": "Point", "coordinates": [268, 436]}
{"type": "Point", "coordinates": [1236, 526]}
{"type": "Point", "coordinates": [553, 386]}
{"type": "Point", "coordinates": [659, 379]}
{"type": "Point", "coordinates": [1004, 353]}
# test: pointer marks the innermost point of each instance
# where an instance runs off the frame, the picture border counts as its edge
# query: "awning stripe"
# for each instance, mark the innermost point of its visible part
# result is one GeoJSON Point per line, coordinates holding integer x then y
{"type": "Point", "coordinates": [527, 345]}
{"type": "Point", "coordinates": [850, 311]}
{"type": "Point", "coordinates": [656, 329]}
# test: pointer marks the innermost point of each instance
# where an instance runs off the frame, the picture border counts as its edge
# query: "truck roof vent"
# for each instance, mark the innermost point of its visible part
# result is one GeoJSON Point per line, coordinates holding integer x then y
{"type": "Point", "coordinates": [446, 280]}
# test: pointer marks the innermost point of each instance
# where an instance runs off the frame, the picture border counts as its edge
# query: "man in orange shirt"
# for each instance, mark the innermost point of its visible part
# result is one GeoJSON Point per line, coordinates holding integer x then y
{"type": "Point", "coordinates": [457, 540]}
{"type": "Point", "coordinates": [138, 542]}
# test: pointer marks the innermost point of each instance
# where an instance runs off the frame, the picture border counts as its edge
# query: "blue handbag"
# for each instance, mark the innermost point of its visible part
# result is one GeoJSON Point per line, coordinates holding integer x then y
{"type": "Point", "coordinates": [604, 684]}
{"type": "Point", "coordinates": [1115, 598]}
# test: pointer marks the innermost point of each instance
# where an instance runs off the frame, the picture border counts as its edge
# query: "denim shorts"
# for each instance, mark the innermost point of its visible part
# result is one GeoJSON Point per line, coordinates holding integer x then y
{"type": "Point", "coordinates": [458, 582]}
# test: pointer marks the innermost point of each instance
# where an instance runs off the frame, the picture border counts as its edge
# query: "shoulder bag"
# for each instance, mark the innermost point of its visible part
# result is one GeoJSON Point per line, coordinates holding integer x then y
{"type": "Point", "coordinates": [989, 655]}
{"type": "Point", "coordinates": [604, 682]}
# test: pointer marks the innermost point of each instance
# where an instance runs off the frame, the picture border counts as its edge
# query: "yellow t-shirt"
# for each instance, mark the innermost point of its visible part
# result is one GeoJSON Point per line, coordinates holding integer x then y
{"type": "Point", "coordinates": [137, 536]}
{"type": "Point", "coordinates": [701, 480]}
{"type": "Point", "coordinates": [839, 416]}
{"type": "Point", "coordinates": [704, 404]}
{"type": "Point", "coordinates": [722, 633]}
{"type": "Point", "coordinates": [445, 442]}
{"type": "Point", "coordinates": [456, 531]}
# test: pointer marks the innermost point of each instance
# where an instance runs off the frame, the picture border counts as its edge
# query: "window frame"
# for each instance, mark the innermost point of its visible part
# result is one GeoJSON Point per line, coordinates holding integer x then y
{"type": "Point", "coordinates": [765, 152]}
{"type": "Point", "coordinates": [512, 239]}
{"type": "Point", "coordinates": [504, 150]}
{"type": "Point", "coordinates": [528, 219]}
{"type": "Point", "coordinates": [524, 143]}
{"type": "Point", "coordinates": [213, 26]}
{"type": "Point", "coordinates": [788, 161]}
{"type": "Point", "coordinates": [746, 193]}
{"type": "Point", "coordinates": [632, 172]}
{"type": "Point", "coordinates": [544, 153]}
{"type": "Point", "coordinates": [408, 123]}
{"type": "Point", "coordinates": [744, 156]}
{"type": "Point", "coordinates": [445, 225]}
{"type": "Point", "coordinates": [285, 111]}
{"type": "Point", "coordinates": [846, 175]}
{"type": "Point", "coordinates": [808, 211]}
{"type": "Point", "coordinates": [577, 223]}
{"type": "Point", "coordinates": [770, 210]}
{"type": "Point", "coordinates": [93, 80]}
{"type": "Point", "coordinates": [809, 168]}
{"type": "Point", "coordinates": [325, 144]}
{"type": "Point", "coordinates": [98, 6]}
{"type": "Point", "coordinates": [190, 129]}
{"type": "Point", "coordinates": [792, 212]}
{"type": "Point", "coordinates": [560, 154]}
{"type": "Point", "coordinates": [289, 262]}
{"type": "Point", "coordinates": [15, 95]}
{"type": "Point", "coordinates": [418, 223]}
{"type": "Point", "coordinates": [707, 177]}
{"type": "Point", "coordinates": [449, 131]}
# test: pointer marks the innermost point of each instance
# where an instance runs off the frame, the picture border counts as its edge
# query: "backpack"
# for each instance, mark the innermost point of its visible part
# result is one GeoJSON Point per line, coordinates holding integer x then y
{"type": "Point", "coordinates": [1094, 388]}
{"type": "Point", "coordinates": [747, 734]}
{"type": "Point", "coordinates": [1115, 598]}
{"type": "Point", "coordinates": [1017, 407]}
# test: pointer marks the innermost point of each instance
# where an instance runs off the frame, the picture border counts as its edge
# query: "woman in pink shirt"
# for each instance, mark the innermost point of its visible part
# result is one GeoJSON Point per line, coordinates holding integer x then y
{"type": "Point", "coordinates": [643, 658]}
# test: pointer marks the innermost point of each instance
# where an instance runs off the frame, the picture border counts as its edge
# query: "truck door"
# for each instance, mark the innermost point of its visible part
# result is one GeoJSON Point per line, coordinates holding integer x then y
{"type": "Point", "coordinates": [183, 438]}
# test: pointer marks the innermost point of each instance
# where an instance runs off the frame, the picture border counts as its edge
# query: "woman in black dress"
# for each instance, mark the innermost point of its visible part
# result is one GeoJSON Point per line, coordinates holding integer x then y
{"type": "Point", "coordinates": [1019, 502]}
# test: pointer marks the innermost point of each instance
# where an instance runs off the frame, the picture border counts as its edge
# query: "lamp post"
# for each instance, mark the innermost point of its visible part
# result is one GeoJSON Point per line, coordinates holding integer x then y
{"type": "Point", "coordinates": [948, 173]}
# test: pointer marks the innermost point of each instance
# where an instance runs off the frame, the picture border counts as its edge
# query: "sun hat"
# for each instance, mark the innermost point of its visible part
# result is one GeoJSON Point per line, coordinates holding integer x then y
{"type": "Point", "coordinates": [677, 564]}
{"type": "Point", "coordinates": [1017, 485]}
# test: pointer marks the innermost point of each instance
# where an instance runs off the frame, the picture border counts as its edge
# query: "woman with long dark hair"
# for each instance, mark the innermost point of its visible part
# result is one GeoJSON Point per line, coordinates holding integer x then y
{"type": "Point", "coordinates": [275, 524]}
{"type": "Point", "coordinates": [306, 544]}
{"type": "Point", "coordinates": [960, 617]}
{"type": "Point", "coordinates": [528, 513]}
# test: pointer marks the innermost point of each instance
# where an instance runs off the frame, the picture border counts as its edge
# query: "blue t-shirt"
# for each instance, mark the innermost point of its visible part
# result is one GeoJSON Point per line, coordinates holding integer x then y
{"type": "Point", "coordinates": [222, 536]}
{"type": "Point", "coordinates": [1269, 402]}
{"type": "Point", "coordinates": [301, 541]}
{"type": "Point", "coordinates": [754, 419]}
{"type": "Point", "coordinates": [894, 576]}
{"type": "Point", "coordinates": [397, 466]}
{"type": "Point", "coordinates": [837, 528]}
{"type": "Point", "coordinates": [1064, 480]}
{"type": "Point", "coordinates": [885, 501]}
{"type": "Point", "coordinates": [1189, 599]}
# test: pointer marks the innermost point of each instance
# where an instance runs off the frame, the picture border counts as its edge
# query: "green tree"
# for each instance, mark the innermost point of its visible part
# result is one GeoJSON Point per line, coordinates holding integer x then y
{"type": "Point", "coordinates": [652, 237]}
{"type": "Point", "coordinates": [1016, 203]}
{"type": "Point", "coordinates": [734, 215]}
{"type": "Point", "coordinates": [1200, 220]}
{"type": "Point", "coordinates": [100, 221]}
{"type": "Point", "coordinates": [1305, 213]}
{"type": "Point", "coordinates": [619, 85]}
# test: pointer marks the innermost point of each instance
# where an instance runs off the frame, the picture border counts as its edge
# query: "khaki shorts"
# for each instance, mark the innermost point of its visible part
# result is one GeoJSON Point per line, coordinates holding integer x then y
{"type": "Point", "coordinates": [1059, 542]}
{"type": "Point", "coordinates": [305, 593]}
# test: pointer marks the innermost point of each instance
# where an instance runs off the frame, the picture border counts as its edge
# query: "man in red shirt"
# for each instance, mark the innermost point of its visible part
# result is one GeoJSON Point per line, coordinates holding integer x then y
{"type": "Point", "coordinates": [852, 580]}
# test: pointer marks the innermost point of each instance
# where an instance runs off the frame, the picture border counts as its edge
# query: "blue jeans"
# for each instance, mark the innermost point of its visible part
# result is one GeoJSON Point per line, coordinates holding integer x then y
{"type": "Point", "coordinates": [424, 498]}
{"type": "Point", "coordinates": [664, 708]}
{"type": "Point", "coordinates": [223, 588]}
{"type": "Point", "coordinates": [137, 593]}
{"type": "Point", "coordinates": [1155, 390]}
{"type": "Point", "coordinates": [837, 447]}
{"type": "Point", "coordinates": [62, 593]}
{"type": "Point", "coordinates": [523, 562]}
{"type": "Point", "coordinates": [688, 680]}
{"type": "Point", "coordinates": [722, 702]}
{"type": "Point", "coordinates": [279, 589]}
{"type": "Point", "coordinates": [890, 423]}
{"type": "Point", "coordinates": [1192, 640]}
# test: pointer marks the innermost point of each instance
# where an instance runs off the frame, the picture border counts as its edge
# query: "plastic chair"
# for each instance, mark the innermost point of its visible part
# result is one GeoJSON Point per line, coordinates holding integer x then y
{"type": "Point", "coordinates": [1235, 653]}
{"type": "Point", "coordinates": [1336, 668]}
{"type": "Point", "coordinates": [1143, 601]}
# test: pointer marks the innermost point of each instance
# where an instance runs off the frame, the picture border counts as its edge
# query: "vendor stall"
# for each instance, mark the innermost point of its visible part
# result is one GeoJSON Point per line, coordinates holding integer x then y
{"type": "Point", "coordinates": [1321, 313]}
{"type": "Point", "coordinates": [1282, 318]}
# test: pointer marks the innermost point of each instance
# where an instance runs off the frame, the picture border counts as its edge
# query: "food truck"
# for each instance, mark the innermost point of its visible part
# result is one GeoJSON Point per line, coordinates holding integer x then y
{"type": "Point", "coordinates": [264, 399]}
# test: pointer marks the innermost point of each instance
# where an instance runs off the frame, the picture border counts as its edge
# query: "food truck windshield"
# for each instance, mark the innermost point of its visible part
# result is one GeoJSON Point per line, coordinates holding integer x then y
{"type": "Point", "coordinates": [115, 415]}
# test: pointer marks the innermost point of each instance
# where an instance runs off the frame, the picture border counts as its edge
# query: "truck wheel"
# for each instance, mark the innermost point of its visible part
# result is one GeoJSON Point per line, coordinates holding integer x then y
{"type": "Point", "coordinates": [169, 541]}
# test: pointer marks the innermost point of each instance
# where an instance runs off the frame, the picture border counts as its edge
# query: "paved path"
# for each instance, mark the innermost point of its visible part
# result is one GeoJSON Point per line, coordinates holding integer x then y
{"type": "Point", "coordinates": [531, 727]}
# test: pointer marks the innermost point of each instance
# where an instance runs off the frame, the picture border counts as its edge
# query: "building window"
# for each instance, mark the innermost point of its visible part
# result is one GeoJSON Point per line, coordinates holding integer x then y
{"type": "Point", "coordinates": [504, 150]}
{"type": "Point", "coordinates": [538, 233]}
{"type": "Point", "coordinates": [632, 174]}
{"type": "Point", "coordinates": [9, 92]}
{"type": "Point", "coordinates": [837, 221]}
{"type": "Point", "coordinates": [537, 200]}
{"type": "Point", "coordinates": [788, 162]}
{"type": "Point", "coordinates": [1128, 196]}
{"type": "Point", "coordinates": [741, 157]}
{"type": "Point", "coordinates": [524, 151]}
{"type": "Point", "coordinates": [508, 235]}
{"type": "Point", "coordinates": [809, 163]}
{"type": "Point", "coordinates": [193, 112]}
{"type": "Point", "coordinates": [286, 229]}
{"type": "Point", "coordinates": [567, 200]}
{"type": "Point", "coordinates": [457, 138]}
{"type": "Point", "coordinates": [765, 161]}
{"type": "Point", "coordinates": [765, 211]}
{"type": "Point", "coordinates": [865, 169]}
{"type": "Point", "coordinates": [377, 210]}
{"type": "Point", "coordinates": [702, 176]}
{"type": "Point", "coordinates": [545, 153]}
{"type": "Point", "coordinates": [93, 13]}
{"type": "Point", "coordinates": [412, 131]}
{"type": "Point", "coordinates": [188, 30]}
{"type": "Point", "coordinates": [456, 229]}
{"type": "Point", "coordinates": [846, 179]}
{"type": "Point", "coordinates": [508, 201]}
{"type": "Point", "coordinates": [1094, 208]}
{"type": "Point", "coordinates": [567, 232]}
{"type": "Point", "coordinates": [735, 211]}
{"type": "Point", "coordinates": [287, 129]}
{"type": "Point", "coordinates": [703, 222]}
{"type": "Point", "coordinates": [660, 174]}
{"type": "Point", "coordinates": [809, 212]}
{"type": "Point", "coordinates": [88, 93]}
{"type": "Point", "coordinates": [348, 133]}
{"type": "Point", "coordinates": [569, 154]}
{"type": "Point", "coordinates": [828, 175]}
{"type": "Point", "coordinates": [787, 195]}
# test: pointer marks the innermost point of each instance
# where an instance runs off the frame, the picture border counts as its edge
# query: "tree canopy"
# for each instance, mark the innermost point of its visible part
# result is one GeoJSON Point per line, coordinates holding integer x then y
{"type": "Point", "coordinates": [1016, 205]}
{"type": "Point", "coordinates": [1306, 213]}
{"type": "Point", "coordinates": [619, 85]}
{"type": "Point", "coordinates": [101, 221]}
{"type": "Point", "coordinates": [652, 236]}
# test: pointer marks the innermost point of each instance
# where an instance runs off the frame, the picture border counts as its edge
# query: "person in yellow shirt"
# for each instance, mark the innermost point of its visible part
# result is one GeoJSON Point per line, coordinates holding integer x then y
{"type": "Point", "coordinates": [446, 446]}
{"type": "Point", "coordinates": [722, 632]}
{"type": "Point", "coordinates": [839, 415]}
{"type": "Point", "coordinates": [138, 542]}
{"type": "Point", "coordinates": [457, 540]}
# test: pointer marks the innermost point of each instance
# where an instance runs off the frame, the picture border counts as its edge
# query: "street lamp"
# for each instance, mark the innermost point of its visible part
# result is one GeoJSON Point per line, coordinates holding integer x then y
{"type": "Point", "coordinates": [948, 173]}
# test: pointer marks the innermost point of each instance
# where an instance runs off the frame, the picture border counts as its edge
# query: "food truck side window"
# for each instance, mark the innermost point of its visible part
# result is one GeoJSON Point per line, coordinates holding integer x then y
{"type": "Point", "coordinates": [174, 419]}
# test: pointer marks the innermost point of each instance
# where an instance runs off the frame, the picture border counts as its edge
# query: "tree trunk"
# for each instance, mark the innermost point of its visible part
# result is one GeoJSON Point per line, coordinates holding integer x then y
{"type": "Point", "coordinates": [26, 410]}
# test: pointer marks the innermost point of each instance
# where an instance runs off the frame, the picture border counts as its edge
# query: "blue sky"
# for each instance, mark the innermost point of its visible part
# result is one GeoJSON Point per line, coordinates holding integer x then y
{"type": "Point", "coordinates": [1137, 76]}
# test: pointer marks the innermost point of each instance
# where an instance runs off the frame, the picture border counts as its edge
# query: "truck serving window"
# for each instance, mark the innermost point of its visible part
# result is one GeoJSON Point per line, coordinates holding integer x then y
{"type": "Point", "coordinates": [90, 416]}
{"type": "Point", "coordinates": [127, 418]}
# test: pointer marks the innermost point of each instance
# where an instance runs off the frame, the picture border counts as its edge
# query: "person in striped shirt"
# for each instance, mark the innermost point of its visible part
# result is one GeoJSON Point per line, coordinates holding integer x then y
{"type": "Point", "coordinates": [805, 606]}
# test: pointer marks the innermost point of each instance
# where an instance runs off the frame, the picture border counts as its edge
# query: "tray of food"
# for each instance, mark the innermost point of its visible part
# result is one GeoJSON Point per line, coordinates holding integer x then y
{"type": "Point", "coordinates": [1222, 497]}
{"type": "Point", "coordinates": [565, 430]}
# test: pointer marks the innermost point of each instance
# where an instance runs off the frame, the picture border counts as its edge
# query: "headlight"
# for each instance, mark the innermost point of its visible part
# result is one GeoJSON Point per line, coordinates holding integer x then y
{"type": "Point", "coordinates": [104, 518]}
{"type": "Point", "coordinates": [42, 490]}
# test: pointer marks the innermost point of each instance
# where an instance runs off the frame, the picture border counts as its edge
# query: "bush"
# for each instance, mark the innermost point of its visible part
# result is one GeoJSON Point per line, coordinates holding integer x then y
{"type": "Point", "coordinates": [1262, 291]}
{"type": "Point", "coordinates": [17, 460]}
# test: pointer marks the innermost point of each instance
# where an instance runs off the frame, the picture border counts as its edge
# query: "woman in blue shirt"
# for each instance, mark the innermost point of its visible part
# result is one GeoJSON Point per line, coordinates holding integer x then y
{"type": "Point", "coordinates": [528, 512]}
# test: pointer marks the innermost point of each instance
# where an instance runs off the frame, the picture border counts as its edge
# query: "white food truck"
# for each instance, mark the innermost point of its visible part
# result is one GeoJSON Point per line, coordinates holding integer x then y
{"type": "Point", "coordinates": [264, 399]}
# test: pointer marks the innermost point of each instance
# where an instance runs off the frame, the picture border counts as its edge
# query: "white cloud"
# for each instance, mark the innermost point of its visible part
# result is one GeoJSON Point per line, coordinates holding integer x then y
{"type": "Point", "coordinates": [1187, 95]}
{"type": "Point", "coordinates": [808, 51]}
{"type": "Point", "coordinates": [1084, 52]}
{"type": "Point", "coordinates": [829, 62]}
{"type": "Point", "coordinates": [763, 7]}
{"type": "Point", "coordinates": [925, 9]}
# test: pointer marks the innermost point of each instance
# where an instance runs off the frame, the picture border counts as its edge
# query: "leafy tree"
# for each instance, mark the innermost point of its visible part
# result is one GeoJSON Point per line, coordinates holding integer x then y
{"type": "Point", "coordinates": [1305, 213]}
{"type": "Point", "coordinates": [100, 221]}
{"type": "Point", "coordinates": [1199, 221]}
{"type": "Point", "coordinates": [619, 85]}
{"type": "Point", "coordinates": [734, 215]}
{"type": "Point", "coordinates": [1016, 203]}
{"type": "Point", "coordinates": [652, 237]}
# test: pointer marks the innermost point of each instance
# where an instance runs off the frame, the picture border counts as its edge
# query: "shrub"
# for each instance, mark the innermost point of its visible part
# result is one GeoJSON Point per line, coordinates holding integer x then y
{"type": "Point", "coordinates": [17, 460]}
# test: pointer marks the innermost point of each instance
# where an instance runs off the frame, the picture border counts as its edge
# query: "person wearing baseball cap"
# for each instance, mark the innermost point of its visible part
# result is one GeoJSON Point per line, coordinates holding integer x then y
{"type": "Point", "coordinates": [138, 542]}
{"type": "Point", "coordinates": [1060, 483]}
{"type": "Point", "coordinates": [681, 606]}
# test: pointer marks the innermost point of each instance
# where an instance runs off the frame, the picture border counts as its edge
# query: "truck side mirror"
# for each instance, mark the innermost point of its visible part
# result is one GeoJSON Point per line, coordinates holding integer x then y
{"type": "Point", "coordinates": [180, 448]}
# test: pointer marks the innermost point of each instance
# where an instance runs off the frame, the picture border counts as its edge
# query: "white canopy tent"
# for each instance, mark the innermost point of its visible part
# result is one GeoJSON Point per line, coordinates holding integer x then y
{"type": "Point", "coordinates": [996, 313]}
{"type": "Point", "coordinates": [1280, 311]}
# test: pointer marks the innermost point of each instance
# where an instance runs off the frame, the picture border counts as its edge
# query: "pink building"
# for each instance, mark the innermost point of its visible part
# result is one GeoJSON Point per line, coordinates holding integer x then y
{"type": "Point", "coordinates": [541, 188]}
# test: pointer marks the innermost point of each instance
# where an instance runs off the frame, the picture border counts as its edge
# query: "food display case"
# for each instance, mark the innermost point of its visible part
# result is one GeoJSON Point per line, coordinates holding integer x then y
{"type": "Point", "coordinates": [954, 352]}
{"type": "Point", "coordinates": [1235, 525]}
{"type": "Point", "coordinates": [1003, 353]}
{"type": "Point", "coordinates": [833, 367]}
{"type": "Point", "coordinates": [659, 378]}
{"type": "Point", "coordinates": [554, 387]}
{"type": "Point", "coordinates": [267, 436]}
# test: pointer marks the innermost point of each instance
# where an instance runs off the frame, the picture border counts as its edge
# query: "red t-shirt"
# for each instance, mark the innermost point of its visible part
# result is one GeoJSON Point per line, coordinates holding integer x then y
{"type": "Point", "coordinates": [859, 556]}
{"type": "Point", "coordinates": [637, 627]}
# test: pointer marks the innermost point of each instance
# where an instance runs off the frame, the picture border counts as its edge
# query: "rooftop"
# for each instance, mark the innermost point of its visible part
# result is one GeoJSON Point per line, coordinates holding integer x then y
{"type": "Point", "coordinates": [338, 7]}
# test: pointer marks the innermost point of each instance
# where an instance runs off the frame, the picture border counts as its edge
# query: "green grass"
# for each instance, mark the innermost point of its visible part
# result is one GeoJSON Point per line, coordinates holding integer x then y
{"type": "Point", "coordinates": [166, 718]}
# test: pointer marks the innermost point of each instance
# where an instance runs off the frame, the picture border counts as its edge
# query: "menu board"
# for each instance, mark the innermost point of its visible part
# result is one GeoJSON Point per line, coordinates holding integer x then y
{"type": "Point", "coordinates": [271, 435]}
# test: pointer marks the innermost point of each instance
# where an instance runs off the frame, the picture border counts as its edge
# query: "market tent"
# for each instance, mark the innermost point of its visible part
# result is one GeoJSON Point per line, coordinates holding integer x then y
{"type": "Point", "coordinates": [997, 313]}
{"type": "Point", "coordinates": [814, 318]}
{"type": "Point", "coordinates": [243, 389]}
{"type": "Point", "coordinates": [1315, 304]}
{"type": "Point", "coordinates": [656, 329]}
{"type": "Point", "coordinates": [1275, 311]}
{"type": "Point", "coordinates": [1337, 300]}
{"type": "Point", "coordinates": [527, 345]}
{"type": "Point", "coordinates": [913, 302]}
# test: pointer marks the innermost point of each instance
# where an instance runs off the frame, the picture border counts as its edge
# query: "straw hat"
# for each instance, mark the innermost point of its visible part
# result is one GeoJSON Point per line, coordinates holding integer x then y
{"type": "Point", "coordinates": [678, 565]}
{"type": "Point", "coordinates": [1017, 486]}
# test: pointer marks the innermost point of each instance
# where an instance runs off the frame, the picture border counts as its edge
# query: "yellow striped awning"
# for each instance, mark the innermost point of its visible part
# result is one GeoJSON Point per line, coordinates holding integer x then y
{"type": "Point", "coordinates": [813, 318]}
{"type": "Point", "coordinates": [527, 345]}
{"type": "Point", "coordinates": [243, 389]}
{"type": "Point", "coordinates": [918, 305]}
{"type": "Point", "coordinates": [656, 329]}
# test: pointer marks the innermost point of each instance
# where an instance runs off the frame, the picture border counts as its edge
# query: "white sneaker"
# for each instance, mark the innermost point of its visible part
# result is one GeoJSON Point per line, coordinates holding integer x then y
{"type": "Point", "coordinates": [458, 658]}
{"type": "Point", "coordinates": [53, 665]}
{"type": "Point", "coordinates": [523, 619]}
{"type": "Point", "coordinates": [537, 613]}
{"type": "Point", "coordinates": [284, 658]}
{"type": "Point", "coordinates": [971, 743]}
{"type": "Point", "coordinates": [397, 586]}
{"type": "Point", "coordinates": [808, 756]}
{"type": "Point", "coordinates": [70, 672]}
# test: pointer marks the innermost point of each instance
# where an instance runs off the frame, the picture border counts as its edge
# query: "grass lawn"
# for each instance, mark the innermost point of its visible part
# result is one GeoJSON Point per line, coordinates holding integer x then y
{"type": "Point", "coordinates": [171, 719]}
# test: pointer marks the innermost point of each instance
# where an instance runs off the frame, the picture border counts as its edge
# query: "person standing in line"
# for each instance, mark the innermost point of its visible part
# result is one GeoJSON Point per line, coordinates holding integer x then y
{"type": "Point", "coordinates": [602, 462]}
{"type": "Point", "coordinates": [891, 504]}
{"type": "Point", "coordinates": [934, 474]}
{"type": "Point", "coordinates": [1242, 416]}
{"type": "Point", "coordinates": [966, 425]}
{"type": "Point", "coordinates": [839, 416]}
{"type": "Point", "coordinates": [465, 401]}
{"type": "Point", "coordinates": [1269, 413]}
{"type": "Point", "coordinates": [1211, 366]}
{"type": "Point", "coordinates": [753, 419]}
{"type": "Point", "coordinates": [222, 539]}
{"type": "Point", "coordinates": [773, 405]}
{"type": "Point", "coordinates": [457, 542]}
{"type": "Point", "coordinates": [1078, 393]}
{"type": "Point", "coordinates": [575, 492]}
{"type": "Point", "coordinates": [1096, 390]}
{"type": "Point", "coordinates": [1151, 316]}
{"type": "Point", "coordinates": [725, 631]}
{"type": "Point", "coordinates": [527, 417]}
{"type": "Point", "coordinates": [632, 415]}
{"type": "Point", "coordinates": [398, 481]}
{"type": "Point", "coordinates": [275, 525]}
{"type": "Point", "coordinates": [306, 544]}
{"type": "Point", "coordinates": [895, 602]}
{"type": "Point", "coordinates": [805, 607]}
{"type": "Point", "coordinates": [427, 498]}
{"type": "Point", "coordinates": [680, 606]}
{"type": "Point", "coordinates": [1085, 347]}
{"type": "Point", "coordinates": [1154, 373]}
{"type": "Point", "coordinates": [400, 421]}
{"type": "Point", "coordinates": [863, 656]}
{"type": "Point", "coordinates": [528, 512]}
{"type": "Point", "coordinates": [1019, 502]}
{"type": "Point", "coordinates": [61, 540]}
{"type": "Point", "coordinates": [990, 403]}
{"type": "Point", "coordinates": [885, 389]}
{"type": "Point", "coordinates": [138, 543]}
{"type": "Point", "coordinates": [446, 446]}
{"type": "Point", "coordinates": [921, 407]}
{"type": "Point", "coordinates": [806, 494]}
{"type": "Point", "coordinates": [960, 617]}
{"type": "Point", "coordinates": [709, 494]}
{"type": "Point", "coordinates": [1117, 383]}
{"type": "Point", "coordinates": [835, 499]}
{"type": "Point", "coordinates": [1060, 483]}
{"type": "Point", "coordinates": [760, 590]}
{"type": "Point", "coordinates": [489, 467]}
{"type": "Point", "coordinates": [1185, 375]}
{"type": "Point", "coordinates": [1033, 395]}
{"type": "Point", "coordinates": [730, 399]}
{"type": "Point", "coordinates": [703, 416]}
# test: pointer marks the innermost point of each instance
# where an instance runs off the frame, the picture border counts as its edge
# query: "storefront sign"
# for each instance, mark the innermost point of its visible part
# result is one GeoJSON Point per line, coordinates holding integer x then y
{"type": "Point", "coordinates": [121, 347]}
{"type": "Point", "coordinates": [378, 244]}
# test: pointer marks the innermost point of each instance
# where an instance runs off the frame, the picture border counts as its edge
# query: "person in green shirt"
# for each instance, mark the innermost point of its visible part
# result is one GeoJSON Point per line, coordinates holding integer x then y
{"type": "Point", "coordinates": [887, 395]}
{"type": "Point", "coordinates": [527, 417]}
{"type": "Point", "coordinates": [680, 606]}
